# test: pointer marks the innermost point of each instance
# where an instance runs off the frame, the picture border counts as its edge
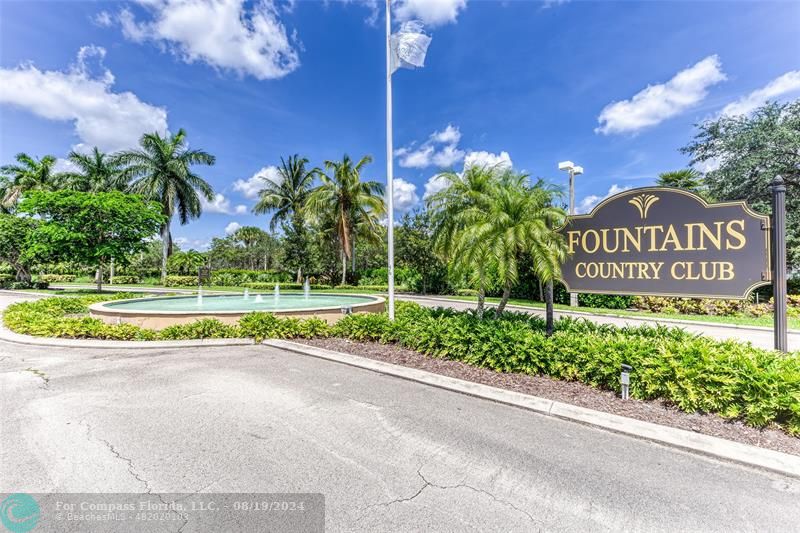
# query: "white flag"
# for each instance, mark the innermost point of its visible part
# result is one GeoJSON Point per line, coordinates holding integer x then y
{"type": "Point", "coordinates": [409, 46]}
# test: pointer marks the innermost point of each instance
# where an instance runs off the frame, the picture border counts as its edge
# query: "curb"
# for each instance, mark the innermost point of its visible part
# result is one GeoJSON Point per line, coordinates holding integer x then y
{"type": "Point", "coordinates": [588, 314]}
{"type": "Point", "coordinates": [17, 338]}
{"type": "Point", "coordinates": [745, 454]}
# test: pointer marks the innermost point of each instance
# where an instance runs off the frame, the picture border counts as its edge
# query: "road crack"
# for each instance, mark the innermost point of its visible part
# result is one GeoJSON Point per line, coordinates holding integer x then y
{"type": "Point", "coordinates": [41, 375]}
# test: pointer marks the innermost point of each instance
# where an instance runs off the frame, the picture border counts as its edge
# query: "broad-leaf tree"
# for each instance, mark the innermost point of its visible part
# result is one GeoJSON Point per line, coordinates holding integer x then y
{"type": "Point", "coordinates": [746, 152]}
{"type": "Point", "coordinates": [89, 228]}
{"type": "Point", "coordinates": [347, 203]}
{"type": "Point", "coordinates": [14, 238]}
{"type": "Point", "coordinates": [27, 175]}
{"type": "Point", "coordinates": [286, 200]}
{"type": "Point", "coordinates": [161, 170]}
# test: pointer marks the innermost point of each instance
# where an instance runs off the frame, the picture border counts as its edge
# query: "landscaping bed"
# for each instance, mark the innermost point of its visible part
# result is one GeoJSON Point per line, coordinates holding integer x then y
{"type": "Point", "coordinates": [694, 374]}
{"type": "Point", "coordinates": [571, 392]}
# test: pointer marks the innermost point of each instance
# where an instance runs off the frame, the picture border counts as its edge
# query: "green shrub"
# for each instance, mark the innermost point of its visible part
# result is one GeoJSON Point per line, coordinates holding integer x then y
{"type": "Point", "coordinates": [181, 281]}
{"type": "Point", "coordinates": [696, 374]}
{"type": "Point", "coordinates": [126, 280]}
{"type": "Point", "coordinates": [268, 286]}
{"type": "Point", "coordinates": [606, 301]}
{"type": "Point", "coordinates": [232, 277]}
{"type": "Point", "coordinates": [56, 278]}
{"type": "Point", "coordinates": [260, 326]}
{"type": "Point", "coordinates": [466, 292]}
{"type": "Point", "coordinates": [206, 328]}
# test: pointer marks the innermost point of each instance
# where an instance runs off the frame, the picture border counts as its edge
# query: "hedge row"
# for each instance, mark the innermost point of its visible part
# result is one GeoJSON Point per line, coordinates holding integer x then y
{"type": "Point", "coordinates": [696, 374]}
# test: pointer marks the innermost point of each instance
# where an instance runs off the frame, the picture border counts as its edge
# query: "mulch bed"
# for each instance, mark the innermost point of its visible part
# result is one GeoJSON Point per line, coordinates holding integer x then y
{"type": "Point", "coordinates": [573, 393]}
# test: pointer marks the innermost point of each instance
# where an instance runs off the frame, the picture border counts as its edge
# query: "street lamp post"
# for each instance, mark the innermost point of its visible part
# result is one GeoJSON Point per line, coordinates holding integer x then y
{"type": "Point", "coordinates": [573, 170]}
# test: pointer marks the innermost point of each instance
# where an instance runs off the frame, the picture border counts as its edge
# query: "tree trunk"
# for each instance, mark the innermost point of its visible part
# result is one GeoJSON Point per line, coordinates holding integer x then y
{"type": "Point", "coordinates": [165, 239]}
{"type": "Point", "coordinates": [23, 274]}
{"type": "Point", "coordinates": [99, 276]}
{"type": "Point", "coordinates": [481, 296]}
{"type": "Point", "coordinates": [548, 300]}
{"type": "Point", "coordinates": [541, 291]}
{"type": "Point", "coordinates": [299, 275]}
{"type": "Point", "coordinates": [344, 267]}
{"type": "Point", "coordinates": [506, 295]}
{"type": "Point", "coordinates": [353, 258]}
{"type": "Point", "coordinates": [111, 273]}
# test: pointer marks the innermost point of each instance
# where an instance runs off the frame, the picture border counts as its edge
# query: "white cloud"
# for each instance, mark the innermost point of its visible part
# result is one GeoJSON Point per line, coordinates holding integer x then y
{"type": "Point", "coordinates": [440, 149]}
{"type": "Point", "coordinates": [435, 184]}
{"type": "Point", "coordinates": [253, 185]}
{"type": "Point", "coordinates": [430, 12]}
{"type": "Point", "coordinates": [231, 228]}
{"type": "Point", "coordinates": [785, 84]}
{"type": "Point", "coordinates": [546, 4]}
{"type": "Point", "coordinates": [191, 244]}
{"type": "Point", "coordinates": [222, 205]}
{"type": "Point", "coordinates": [657, 103]}
{"type": "Point", "coordinates": [488, 159]}
{"type": "Point", "coordinates": [589, 202]}
{"type": "Point", "coordinates": [227, 34]}
{"type": "Point", "coordinates": [405, 195]}
{"type": "Point", "coordinates": [102, 118]}
{"type": "Point", "coordinates": [64, 165]}
{"type": "Point", "coordinates": [103, 19]}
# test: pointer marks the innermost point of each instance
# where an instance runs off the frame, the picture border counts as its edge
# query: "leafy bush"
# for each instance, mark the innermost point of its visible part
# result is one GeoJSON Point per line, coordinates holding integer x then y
{"type": "Point", "coordinates": [466, 292]}
{"type": "Point", "coordinates": [10, 283]}
{"type": "Point", "coordinates": [262, 326]}
{"type": "Point", "coordinates": [206, 328]}
{"type": "Point", "coordinates": [181, 281]}
{"type": "Point", "coordinates": [232, 277]}
{"type": "Point", "coordinates": [267, 286]}
{"type": "Point", "coordinates": [606, 301]}
{"type": "Point", "coordinates": [696, 374]}
{"type": "Point", "coordinates": [56, 278]}
{"type": "Point", "coordinates": [126, 280]}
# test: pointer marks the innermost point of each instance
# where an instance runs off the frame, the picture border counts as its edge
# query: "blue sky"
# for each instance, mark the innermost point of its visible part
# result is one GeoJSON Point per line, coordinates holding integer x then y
{"type": "Point", "coordinates": [613, 86]}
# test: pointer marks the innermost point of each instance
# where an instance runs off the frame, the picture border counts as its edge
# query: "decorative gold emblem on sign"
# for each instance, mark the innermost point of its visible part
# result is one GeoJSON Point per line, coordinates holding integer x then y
{"type": "Point", "coordinates": [643, 202]}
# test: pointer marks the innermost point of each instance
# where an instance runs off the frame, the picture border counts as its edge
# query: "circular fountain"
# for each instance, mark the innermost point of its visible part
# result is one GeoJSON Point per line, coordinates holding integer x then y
{"type": "Point", "coordinates": [164, 311]}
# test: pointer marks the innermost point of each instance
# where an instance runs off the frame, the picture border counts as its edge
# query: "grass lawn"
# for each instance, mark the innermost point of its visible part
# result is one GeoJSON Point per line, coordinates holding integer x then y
{"type": "Point", "coordinates": [766, 320]}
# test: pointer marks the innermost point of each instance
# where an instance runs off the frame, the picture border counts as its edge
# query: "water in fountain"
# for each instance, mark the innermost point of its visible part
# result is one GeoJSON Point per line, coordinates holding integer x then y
{"type": "Point", "coordinates": [306, 289]}
{"type": "Point", "coordinates": [277, 293]}
{"type": "Point", "coordinates": [258, 299]}
{"type": "Point", "coordinates": [200, 296]}
{"type": "Point", "coordinates": [246, 293]}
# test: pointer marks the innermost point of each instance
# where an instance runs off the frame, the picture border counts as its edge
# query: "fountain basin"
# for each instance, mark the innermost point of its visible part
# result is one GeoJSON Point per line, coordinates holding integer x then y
{"type": "Point", "coordinates": [165, 311]}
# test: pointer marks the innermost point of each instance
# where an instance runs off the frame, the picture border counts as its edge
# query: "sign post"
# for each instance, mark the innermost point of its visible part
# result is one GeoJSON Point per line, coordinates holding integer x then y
{"type": "Point", "coordinates": [779, 263]}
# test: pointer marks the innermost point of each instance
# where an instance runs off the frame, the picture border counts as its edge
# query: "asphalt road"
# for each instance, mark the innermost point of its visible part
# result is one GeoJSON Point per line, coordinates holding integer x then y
{"type": "Point", "coordinates": [758, 337]}
{"type": "Point", "coordinates": [388, 454]}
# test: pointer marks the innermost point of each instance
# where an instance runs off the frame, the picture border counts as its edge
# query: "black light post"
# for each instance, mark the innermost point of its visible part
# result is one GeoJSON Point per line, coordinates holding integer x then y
{"type": "Point", "coordinates": [779, 263]}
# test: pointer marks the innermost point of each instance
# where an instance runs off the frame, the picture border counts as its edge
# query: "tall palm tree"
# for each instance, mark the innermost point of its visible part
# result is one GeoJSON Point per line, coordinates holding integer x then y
{"type": "Point", "coordinates": [345, 200]}
{"type": "Point", "coordinates": [287, 199]}
{"type": "Point", "coordinates": [161, 170]}
{"type": "Point", "coordinates": [29, 174]}
{"type": "Point", "coordinates": [522, 218]}
{"type": "Point", "coordinates": [250, 237]}
{"type": "Point", "coordinates": [97, 172]}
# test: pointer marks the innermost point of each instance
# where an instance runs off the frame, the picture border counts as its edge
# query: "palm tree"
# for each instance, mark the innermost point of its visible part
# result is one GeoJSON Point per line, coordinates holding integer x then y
{"type": "Point", "coordinates": [287, 199]}
{"type": "Point", "coordinates": [97, 172]}
{"type": "Point", "coordinates": [688, 179]}
{"type": "Point", "coordinates": [345, 200]}
{"type": "Point", "coordinates": [250, 237]}
{"type": "Point", "coordinates": [455, 208]}
{"type": "Point", "coordinates": [29, 174]}
{"type": "Point", "coordinates": [187, 262]}
{"type": "Point", "coordinates": [519, 219]}
{"type": "Point", "coordinates": [161, 171]}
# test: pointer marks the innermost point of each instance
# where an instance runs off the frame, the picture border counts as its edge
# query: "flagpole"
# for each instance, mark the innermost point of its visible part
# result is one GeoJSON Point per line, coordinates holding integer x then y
{"type": "Point", "coordinates": [389, 158]}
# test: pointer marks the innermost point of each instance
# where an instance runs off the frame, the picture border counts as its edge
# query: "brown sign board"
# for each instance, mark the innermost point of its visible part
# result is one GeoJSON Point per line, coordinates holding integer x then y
{"type": "Point", "coordinates": [661, 241]}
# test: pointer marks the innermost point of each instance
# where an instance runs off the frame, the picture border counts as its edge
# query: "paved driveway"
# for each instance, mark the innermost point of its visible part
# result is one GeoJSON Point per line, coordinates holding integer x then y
{"type": "Point", "coordinates": [388, 454]}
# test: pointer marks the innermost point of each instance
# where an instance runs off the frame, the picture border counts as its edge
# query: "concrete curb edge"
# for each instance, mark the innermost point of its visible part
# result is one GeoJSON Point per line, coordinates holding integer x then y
{"type": "Point", "coordinates": [17, 338]}
{"type": "Point", "coordinates": [715, 447]}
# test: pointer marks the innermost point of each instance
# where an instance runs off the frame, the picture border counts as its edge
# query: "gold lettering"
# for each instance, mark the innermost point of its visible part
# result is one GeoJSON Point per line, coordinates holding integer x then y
{"type": "Point", "coordinates": [656, 269]}
{"type": "Point", "coordinates": [606, 248]}
{"type": "Point", "coordinates": [573, 242]}
{"type": "Point", "coordinates": [652, 230]}
{"type": "Point", "coordinates": [673, 270]}
{"type": "Point", "coordinates": [736, 235]}
{"type": "Point", "coordinates": [596, 241]}
{"type": "Point", "coordinates": [577, 268]}
{"type": "Point", "coordinates": [671, 238]}
{"type": "Point", "coordinates": [725, 271]}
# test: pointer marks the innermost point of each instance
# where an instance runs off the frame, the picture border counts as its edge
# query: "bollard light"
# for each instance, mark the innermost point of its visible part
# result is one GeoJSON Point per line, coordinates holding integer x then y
{"type": "Point", "coordinates": [625, 380]}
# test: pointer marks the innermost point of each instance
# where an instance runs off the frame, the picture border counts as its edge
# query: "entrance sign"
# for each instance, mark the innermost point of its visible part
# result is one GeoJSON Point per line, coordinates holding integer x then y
{"type": "Point", "coordinates": [667, 242]}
